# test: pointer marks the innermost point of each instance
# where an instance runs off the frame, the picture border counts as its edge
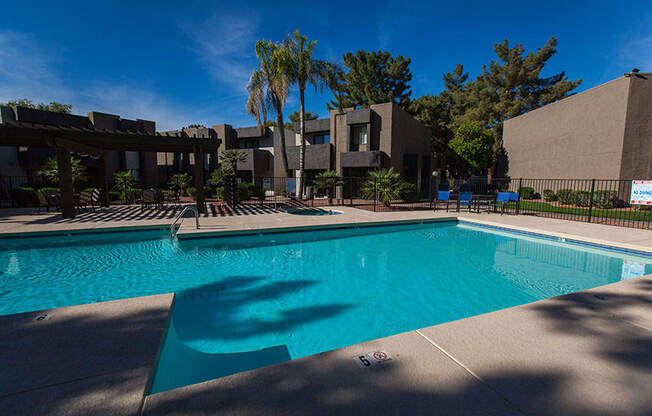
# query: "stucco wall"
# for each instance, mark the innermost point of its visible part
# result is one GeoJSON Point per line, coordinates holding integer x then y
{"type": "Point", "coordinates": [580, 137]}
{"type": "Point", "coordinates": [637, 147]}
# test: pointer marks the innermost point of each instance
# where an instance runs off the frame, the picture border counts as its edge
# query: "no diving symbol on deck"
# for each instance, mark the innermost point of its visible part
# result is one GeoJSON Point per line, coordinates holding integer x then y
{"type": "Point", "coordinates": [372, 358]}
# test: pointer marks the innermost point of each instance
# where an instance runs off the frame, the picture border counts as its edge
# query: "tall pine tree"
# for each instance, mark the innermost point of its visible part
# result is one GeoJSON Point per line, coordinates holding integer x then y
{"type": "Point", "coordinates": [373, 78]}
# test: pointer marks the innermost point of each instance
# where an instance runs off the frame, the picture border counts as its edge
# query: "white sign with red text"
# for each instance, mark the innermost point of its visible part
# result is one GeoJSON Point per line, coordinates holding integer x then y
{"type": "Point", "coordinates": [371, 359]}
{"type": "Point", "coordinates": [641, 192]}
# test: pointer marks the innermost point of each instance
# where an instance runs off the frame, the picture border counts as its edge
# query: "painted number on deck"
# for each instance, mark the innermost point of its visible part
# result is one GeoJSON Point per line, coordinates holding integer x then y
{"type": "Point", "coordinates": [371, 359]}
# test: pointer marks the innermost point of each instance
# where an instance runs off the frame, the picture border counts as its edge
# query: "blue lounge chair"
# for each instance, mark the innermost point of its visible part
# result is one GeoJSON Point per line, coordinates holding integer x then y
{"type": "Point", "coordinates": [502, 199]}
{"type": "Point", "coordinates": [465, 200]}
{"type": "Point", "coordinates": [442, 196]}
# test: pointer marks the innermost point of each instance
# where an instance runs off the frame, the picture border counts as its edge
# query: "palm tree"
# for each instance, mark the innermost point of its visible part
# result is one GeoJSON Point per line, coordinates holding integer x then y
{"type": "Point", "coordinates": [179, 182]}
{"type": "Point", "coordinates": [51, 170]}
{"type": "Point", "coordinates": [302, 69]}
{"type": "Point", "coordinates": [382, 185]}
{"type": "Point", "coordinates": [327, 181]}
{"type": "Point", "coordinates": [269, 87]}
{"type": "Point", "coordinates": [231, 158]}
{"type": "Point", "coordinates": [124, 182]}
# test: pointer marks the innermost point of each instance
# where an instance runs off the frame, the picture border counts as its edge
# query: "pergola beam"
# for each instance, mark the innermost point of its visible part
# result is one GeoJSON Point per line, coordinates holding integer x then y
{"type": "Point", "coordinates": [65, 183]}
{"type": "Point", "coordinates": [199, 178]}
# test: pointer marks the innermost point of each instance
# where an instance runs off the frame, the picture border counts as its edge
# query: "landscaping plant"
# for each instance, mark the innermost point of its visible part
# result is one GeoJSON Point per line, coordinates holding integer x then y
{"type": "Point", "coordinates": [382, 185]}
{"type": "Point", "coordinates": [326, 182]}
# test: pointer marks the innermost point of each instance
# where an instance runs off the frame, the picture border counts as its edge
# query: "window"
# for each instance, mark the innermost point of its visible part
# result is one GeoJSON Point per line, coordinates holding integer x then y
{"type": "Point", "coordinates": [249, 144]}
{"type": "Point", "coordinates": [358, 137]}
{"type": "Point", "coordinates": [321, 138]}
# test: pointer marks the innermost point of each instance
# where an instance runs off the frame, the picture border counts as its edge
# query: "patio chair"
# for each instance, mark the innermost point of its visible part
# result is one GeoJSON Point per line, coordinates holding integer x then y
{"type": "Point", "coordinates": [46, 201]}
{"type": "Point", "coordinates": [465, 199]}
{"type": "Point", "coordinates": [502, 199]}
{"type": "Point", "coordinates": [149, 198]}
{"type": "Point", "coordinates": [89, 199]}
{"type": "Point", "coordinates": [442, 196]}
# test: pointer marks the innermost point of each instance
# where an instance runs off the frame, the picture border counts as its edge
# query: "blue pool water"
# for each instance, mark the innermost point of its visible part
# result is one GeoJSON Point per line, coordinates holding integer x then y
{"type": "Point", "coordinates": [248, 301]}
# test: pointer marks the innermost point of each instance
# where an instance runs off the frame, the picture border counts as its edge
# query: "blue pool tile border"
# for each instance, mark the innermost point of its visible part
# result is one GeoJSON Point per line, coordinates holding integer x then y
{"type": "Point", "coordinates": [559, 239]}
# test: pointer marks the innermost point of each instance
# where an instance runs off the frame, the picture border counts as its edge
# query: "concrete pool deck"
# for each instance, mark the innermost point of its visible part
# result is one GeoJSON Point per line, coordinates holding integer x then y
{"type": "Point", "coordinates": [584, 353]}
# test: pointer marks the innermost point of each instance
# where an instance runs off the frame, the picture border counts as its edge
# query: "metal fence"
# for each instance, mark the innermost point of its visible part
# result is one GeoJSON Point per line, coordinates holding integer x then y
{"type": "Point", "coordinates": [603, 201]}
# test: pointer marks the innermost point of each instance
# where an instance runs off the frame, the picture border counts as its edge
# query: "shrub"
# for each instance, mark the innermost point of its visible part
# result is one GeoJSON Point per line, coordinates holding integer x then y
{"type": "Point", "coordinates": [114, 195]}
{"type": "Point", "coordinates": [549, 195]}
{"type": "Point", "coordinates": [245, 190]}
{"type": "Point", "coordinates": [191, 191]}
{"type": "Point", "coordinates": [604, 199]}
{"type": "Point", "coordinates": [582, 198]}
{"type": "Point", "coordinates": [566, 196]}
{"type": "Point", "coordinates": [24, 196]}
{"type": "Point", "coordinates": [49, 189]}
{"type": "Point", "coordinates": [408, 192]}
{"type": "Point", "coordinates": [219, 192]}
{"type": "Point", "coordinates": [382, 185]}
{"type": "Point", "coordinates": [526, 192]}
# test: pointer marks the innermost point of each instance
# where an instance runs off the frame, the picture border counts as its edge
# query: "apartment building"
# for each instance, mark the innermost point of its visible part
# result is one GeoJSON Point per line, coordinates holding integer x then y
{"type": "Point", "coordinates": [604, 132]}
{"type": "Point", "coordinates": [355, 141]}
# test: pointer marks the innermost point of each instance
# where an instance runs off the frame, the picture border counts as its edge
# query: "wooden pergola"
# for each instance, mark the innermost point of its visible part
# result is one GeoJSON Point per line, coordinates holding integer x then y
{"type": "Point", "coordinates": [67, 139]}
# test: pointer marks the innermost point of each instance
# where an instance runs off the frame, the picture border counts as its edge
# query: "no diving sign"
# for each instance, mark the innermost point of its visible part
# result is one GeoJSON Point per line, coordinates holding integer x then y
{"type": "Point", "coordinates": [372, 358]}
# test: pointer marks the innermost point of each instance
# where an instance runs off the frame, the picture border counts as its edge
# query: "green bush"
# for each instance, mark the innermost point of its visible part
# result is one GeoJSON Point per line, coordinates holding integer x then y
{"type": "Point", "coordinates": [582, 198]}
{"type": "Point", "coordinates": [114, 195]}
{"type": "Point", "coordinates": [408, 192]}
{"type": "Point", "coordinates": [245, 191]}
{"type": "Point", "coordinates": [191, 191]}
{"type": "Point", "coordinates": [24, 196]}
{"type": "Point", "coordinates": [549, 195]}
{"type": "Point", "coordinates": [604, 199]}
{"type": "Point", "coordinates": [526, 192]}
{"type": "Point", "coordinates": [566, 196]}
{"type": "Point", "coordinates": [219, 192]}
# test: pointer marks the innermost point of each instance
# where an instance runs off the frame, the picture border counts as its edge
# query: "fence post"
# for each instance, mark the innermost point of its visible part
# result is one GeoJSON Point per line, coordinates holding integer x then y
{"type": "Point", "coordinates": [518, 201]}
{"type": "Point", "coordinates": [591, 200]}
{"type": "Point", "coordinates": [375, 194]}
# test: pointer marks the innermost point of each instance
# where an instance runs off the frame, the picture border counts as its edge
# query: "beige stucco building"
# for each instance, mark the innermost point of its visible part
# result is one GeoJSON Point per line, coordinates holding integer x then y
{"type": "Point", "coordinates": [604, 132]}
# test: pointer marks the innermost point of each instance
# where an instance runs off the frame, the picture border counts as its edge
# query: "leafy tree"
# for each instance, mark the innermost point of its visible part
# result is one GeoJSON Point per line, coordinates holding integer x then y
{"type": "Point", "coordinates": [383, 185]}
{"type": "Point", "coordinates": [179, 182]}
{"type": "Point", "coordinates": [51, 170]}
{"type": "Point", "coordinates": [54, 106]}
{"type": "Point", "coordinates": [230, 160]}
{"type": "Point", "coordinates": [294, 117]}
{"type": "Point", "coordinates": [195, 126]}
{"type": "Point", "coordinates": [373, 78]}
{"type": "Point", "coordinates": [217, 176]}
{"type": "Point", "coordinates": [269, 87]}
{"type": "Point", "coordinates": [327, 181]}
{"type": "Point", "coordinates": [473, 143]}
{"type": "Point", "coordinates": [303, 70]}
{"type": "Point", "coordinates": [124, 182]}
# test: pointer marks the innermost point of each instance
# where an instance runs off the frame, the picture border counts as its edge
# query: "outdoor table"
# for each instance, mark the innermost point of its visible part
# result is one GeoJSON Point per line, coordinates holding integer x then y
{"type": "Point", "coordinates": [482, 200]}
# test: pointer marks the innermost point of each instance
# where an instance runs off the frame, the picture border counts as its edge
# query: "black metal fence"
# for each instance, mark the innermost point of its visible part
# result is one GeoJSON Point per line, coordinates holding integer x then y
{"type": "Point", "coordinates": [604, 201]}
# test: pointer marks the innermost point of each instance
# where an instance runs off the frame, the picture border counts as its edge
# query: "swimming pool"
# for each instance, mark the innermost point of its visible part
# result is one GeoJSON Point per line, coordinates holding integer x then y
{"type": "Point", "coordinates": [253, 300]}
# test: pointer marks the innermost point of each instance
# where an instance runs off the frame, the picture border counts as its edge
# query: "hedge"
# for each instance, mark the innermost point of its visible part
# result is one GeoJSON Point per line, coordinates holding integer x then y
{"type": "Point", "coordinates": [408, 192]}
{"type": "Point", "coordinates": [526, 192]}
{"type": "Point", "coordinates": [566, 196]}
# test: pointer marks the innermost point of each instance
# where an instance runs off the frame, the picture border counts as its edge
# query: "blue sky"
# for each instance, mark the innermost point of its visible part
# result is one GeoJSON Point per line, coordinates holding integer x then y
{"type": "Point", "coordinates": [187, 62]}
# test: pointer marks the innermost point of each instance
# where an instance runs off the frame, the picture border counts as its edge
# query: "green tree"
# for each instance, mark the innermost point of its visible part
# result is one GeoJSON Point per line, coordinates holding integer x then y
{"type": "Point", "coordinates": [373, 78]}
{"type": "Point", "coordinates": [124, 182]}
{"type": "Point", "coordinates": [230, 160]}
{"type": "Point", "coordinates": [50, 170]}
{"type": "Point", "coordinates": [269, 87]}
{"type": "Point", "coordinates": [473, 143]}
{"type": "Point", "coordinates": [179, 182]}
{"type": "Point", "coordinates": [294, 117]}
{"type": "Point", "coordinates": [303, 70]}
{"type": "Point", "coordinates": [512, 86]}
{"type": "Point", "coordinates": [327, 181]}
{"type": "Point", "coordinates": [54, 106]}
{"type": "Point", "coordinates": [382, 185]}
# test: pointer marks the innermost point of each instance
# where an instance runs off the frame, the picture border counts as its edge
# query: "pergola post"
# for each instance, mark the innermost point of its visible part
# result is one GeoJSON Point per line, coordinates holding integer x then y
{"type": "Point", "coordinates": [65, 183]}
{"type": "Point", "coordinates": [199, 178]}
{"type": "Point", "coordinates": [104, 180]}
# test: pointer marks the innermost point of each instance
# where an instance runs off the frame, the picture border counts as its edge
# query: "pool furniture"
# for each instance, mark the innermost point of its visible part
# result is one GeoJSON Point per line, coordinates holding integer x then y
{"type": "Point", "coordinates": [442, 196]}
{"type": "Point", "coordinates": [465, 199]}
{"type": "Point", "coordinates": [151, 197]}
{"type": "Point", "coordinates": [46, 201]}
{"type": "Point", "coordinates": [502, 199]}
{"type": "Point", "coordinates": [89, 199]}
